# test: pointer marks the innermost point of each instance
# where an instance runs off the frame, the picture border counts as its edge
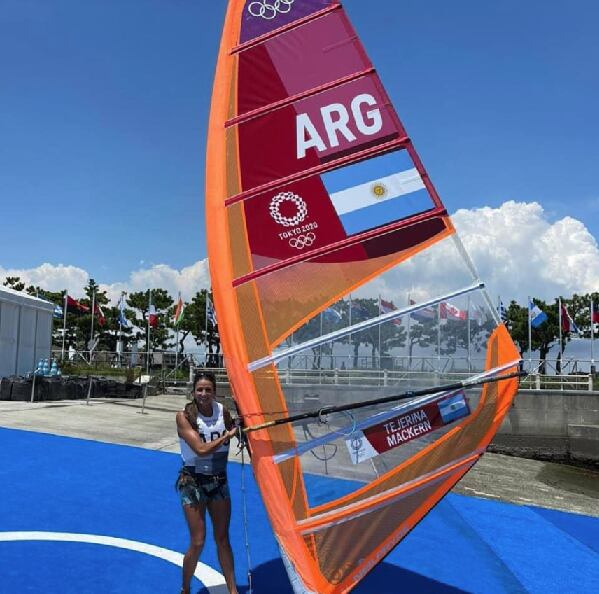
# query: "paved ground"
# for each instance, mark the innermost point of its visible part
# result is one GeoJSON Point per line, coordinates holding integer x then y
{"type": "Point", "coordinates": [497, 477]}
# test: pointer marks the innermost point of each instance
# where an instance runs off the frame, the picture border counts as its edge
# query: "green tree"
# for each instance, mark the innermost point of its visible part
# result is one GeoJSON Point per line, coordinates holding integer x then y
{"type": "Point", "coordinates": [14, 282]}
{"type": "Point", "coordinates": [162, 301]}
{"type": "Point", "coordinates": [542, 338]}
{"type": "Point", "coordinates": [193, 322]}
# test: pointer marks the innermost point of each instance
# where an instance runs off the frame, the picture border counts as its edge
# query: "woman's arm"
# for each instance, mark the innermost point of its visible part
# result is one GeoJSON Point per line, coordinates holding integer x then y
{"type": "Point", "coordinates": [192, 438]}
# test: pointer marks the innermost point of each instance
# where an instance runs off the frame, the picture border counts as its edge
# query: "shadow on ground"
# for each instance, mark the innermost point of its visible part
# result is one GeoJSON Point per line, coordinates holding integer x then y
{"type": "Point", "coordinates": [271, 578]}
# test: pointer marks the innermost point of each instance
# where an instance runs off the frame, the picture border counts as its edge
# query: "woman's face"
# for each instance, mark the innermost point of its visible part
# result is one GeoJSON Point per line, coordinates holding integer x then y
{"type": "Point", "coordinates": [203, 392]}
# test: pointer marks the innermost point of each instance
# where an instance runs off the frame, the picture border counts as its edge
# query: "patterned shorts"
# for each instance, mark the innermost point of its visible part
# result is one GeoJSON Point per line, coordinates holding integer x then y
{"type": "Point", "coordinates": [195, 488]}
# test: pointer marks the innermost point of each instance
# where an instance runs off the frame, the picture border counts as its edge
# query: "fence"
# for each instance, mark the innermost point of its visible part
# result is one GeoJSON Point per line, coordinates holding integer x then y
{"type": "Point", "coordinates": [167, 368]}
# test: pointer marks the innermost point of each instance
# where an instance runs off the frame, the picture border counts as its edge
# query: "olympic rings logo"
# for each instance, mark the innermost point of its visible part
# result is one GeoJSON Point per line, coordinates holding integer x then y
{"type": "Point", "coordinates": [275, 209]}
{"type": "Point", "coordinates": [302, 241]}
{"type": "Point", "coordinates": [268, 10]}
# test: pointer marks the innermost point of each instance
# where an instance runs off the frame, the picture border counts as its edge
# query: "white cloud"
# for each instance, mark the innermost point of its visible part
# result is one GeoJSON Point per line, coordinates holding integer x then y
{"type": "Point", "coordinates": [519, 252]}
{"type": "Point", "coordinates": [188, 280]}
{"type": "Point", "coordinates": [52, 277]}
{"type": "Point", "coordinates": [516, 248]}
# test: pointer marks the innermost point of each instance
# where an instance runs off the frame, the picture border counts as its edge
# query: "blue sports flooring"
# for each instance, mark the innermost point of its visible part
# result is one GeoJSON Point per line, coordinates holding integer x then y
{"type": "Point", "coordinates": [74, 514]}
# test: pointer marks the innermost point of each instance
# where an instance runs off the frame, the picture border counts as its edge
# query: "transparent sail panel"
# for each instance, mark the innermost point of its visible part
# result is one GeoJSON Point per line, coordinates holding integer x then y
{"type": "Point", "coordinates": [444, 329]}
{"type": "Point", "coordinates": [363, 444]}
{"type": "Point", "coordinates": [389, 337]}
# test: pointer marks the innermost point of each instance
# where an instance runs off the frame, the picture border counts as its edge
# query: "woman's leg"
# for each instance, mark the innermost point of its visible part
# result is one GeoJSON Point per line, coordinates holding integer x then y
{"type": "Point", "coordinates": [220, 514]}
{"type": "Point", "coordinates": [196, 522]}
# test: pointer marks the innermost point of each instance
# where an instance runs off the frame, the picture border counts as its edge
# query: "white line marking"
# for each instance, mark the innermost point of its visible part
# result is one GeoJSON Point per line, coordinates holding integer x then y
{"type": "Point", "coordinates": [212, 579]}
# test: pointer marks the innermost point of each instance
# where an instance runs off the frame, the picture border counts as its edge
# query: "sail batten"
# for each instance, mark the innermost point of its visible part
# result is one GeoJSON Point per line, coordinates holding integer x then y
{"type": "Point", "coordinates": [318, 169]}
{"type": "Point", "coordinates": [308, 93]}
{"type": "Point", "coordinates": [339, 245]}
{"type": "Point", "coordinates": [333, 261]}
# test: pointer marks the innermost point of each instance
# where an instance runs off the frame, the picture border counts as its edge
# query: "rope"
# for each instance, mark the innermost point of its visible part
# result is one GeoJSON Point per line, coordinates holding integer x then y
{"type": "Point", "coordinates": [242, 445]}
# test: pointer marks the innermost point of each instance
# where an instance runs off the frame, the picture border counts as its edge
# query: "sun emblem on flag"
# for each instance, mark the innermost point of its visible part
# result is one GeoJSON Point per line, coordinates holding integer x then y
{"type": "Point", "coordinates": [379, 190]}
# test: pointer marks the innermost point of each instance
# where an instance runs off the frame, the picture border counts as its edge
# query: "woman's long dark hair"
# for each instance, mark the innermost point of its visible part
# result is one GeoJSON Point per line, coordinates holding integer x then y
{"type": "Point", "coordinates": [191, 408]}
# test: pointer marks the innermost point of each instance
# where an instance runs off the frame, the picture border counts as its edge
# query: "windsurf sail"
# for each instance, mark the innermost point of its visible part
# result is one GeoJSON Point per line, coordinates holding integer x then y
{"type": "Point", "coordinates": [339, 281]}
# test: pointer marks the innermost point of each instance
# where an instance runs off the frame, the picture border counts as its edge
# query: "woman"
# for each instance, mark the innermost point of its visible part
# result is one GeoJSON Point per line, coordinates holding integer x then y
{"type": "Point", "coordinates": [205, 428]}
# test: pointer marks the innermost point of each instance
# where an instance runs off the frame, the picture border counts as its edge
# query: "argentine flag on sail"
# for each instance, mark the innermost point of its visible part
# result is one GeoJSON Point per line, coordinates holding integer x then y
{"type": "Point", "coordinates": [377, 191]}
{"type": "Point", "coordinates": [453, 408]}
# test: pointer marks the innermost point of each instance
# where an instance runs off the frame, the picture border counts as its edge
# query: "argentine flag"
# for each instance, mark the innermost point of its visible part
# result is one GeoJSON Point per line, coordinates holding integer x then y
{"type": "Point", "coordinates": [537, 316]}
{"type": "Point", "coordinates": [377, 192]}
{"type": "Point", "coordinates": [453, 408]}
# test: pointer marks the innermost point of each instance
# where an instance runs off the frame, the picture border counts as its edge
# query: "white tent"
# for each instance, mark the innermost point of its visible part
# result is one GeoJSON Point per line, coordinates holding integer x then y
{"type": "Point", "coordinates": [25, 331]}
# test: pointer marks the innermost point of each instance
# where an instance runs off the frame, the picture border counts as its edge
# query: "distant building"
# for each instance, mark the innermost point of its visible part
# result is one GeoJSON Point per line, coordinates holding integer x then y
{"type": "Point", "coordinates": [25, 331]}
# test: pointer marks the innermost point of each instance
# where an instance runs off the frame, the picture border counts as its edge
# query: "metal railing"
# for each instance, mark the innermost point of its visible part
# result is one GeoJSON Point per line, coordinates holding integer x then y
{"type": "Point", "coordinates": [368, 371]}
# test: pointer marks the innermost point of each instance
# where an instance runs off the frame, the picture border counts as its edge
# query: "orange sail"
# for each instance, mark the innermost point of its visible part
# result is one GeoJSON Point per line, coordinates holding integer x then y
{"type": "Point", "coordinates": [338, 279]}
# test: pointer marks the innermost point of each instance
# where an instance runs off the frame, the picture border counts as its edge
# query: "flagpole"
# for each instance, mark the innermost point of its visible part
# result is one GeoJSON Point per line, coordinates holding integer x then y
{"type": "Point", "coordinates": [408, 336]}
{"type": "Point", "coordinates": [350, 308]}
{"type": "Point", "coordinates": [320, 348]}
{"type": "Point", "coordinates": [592, 336]}
{"type": "Point", "coordinates": [91, 338]}
{"type": "Point", "coordinates": [64, 323]}
{"type": "Point", "coordinates": [206, 327]}
{"type": "Point", "coordinates": [177, 337]}
{"type": "Point", "coordinates": [561, 349]}
{"type": "Point", "coordinates": [148, 333]}
{"type": "Point", "coordinates": [529, 335]}
{"type": "Point", "coordinates": [120, 341]}
{"type": "Point", "coordinates": [380, 353]}
{"type": "Point", "coordinates": [468, 324]}
{"type": "Point", "coordinates": [439, 337]}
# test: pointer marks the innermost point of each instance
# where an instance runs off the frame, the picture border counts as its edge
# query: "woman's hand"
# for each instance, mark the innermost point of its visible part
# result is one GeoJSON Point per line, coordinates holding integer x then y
{"type": "Point", "coordinates": [231, 432]}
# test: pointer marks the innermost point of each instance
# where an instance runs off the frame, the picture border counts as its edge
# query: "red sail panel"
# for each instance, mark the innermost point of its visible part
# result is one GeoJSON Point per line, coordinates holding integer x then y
{"type": "Point", "coordinates": [261, 17]}
{"type": "Point", "coordinates": [286, 66]}
{"type": "Point", "coordinates": [315, 130]}
{"type": "Point", "coordinates": [304, 218]}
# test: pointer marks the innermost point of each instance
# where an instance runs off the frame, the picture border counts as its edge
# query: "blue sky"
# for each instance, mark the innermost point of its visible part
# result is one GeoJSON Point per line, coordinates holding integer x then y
{"type": "Point", "coordinates": [104, 106]}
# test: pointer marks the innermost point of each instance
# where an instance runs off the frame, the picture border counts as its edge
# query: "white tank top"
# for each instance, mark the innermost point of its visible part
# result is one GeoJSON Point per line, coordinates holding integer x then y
{"type": "Point", "coordinates": [209, 429]}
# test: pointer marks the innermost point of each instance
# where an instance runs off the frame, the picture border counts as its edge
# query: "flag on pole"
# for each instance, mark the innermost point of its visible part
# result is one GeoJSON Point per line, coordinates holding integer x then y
{"type": "Point", "coordinates": [479, 314]}
{"type": "Point", "coordinates": [210, 312]}
{"type": "Point", "coordinates": [123, 321]}
{"type": "Point", "coordinates": [451, 312]}
{"type": "Point", "coordinates": [388, 306]}
{"type": "Point", "coordinates": [58, 312]}
{"type": "Point", "coordinates": [152, 316]}
{"type": "Point", "coordinates": [425, 314]}
{"type": "Point", "coordinates": [502, 311]}
{"type": "Point", "coordinates": [331, 315]}
{"type": "Point", "coordinates": [74, 306]}
{"type": "Point", "coordinates": [359, 311]}
{"type": "Point", "coordinates": [594, 315]}
{"type": "Point", "coordinates": [178, 311]}
{"type": "Point", "coordinates": [568, 324]}
{"type": "Point", "coordinates": [99, 314]}
{"type": "Point", "coordinates": [537, 315]}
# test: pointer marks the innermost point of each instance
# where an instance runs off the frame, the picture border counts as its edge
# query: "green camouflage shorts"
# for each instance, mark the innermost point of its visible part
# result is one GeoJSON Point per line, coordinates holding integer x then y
{"type": "Point", "coordinates": [195, 488]}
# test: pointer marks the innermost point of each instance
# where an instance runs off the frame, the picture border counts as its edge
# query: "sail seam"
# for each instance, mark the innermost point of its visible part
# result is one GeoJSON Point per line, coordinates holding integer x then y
{"type": "Point", "coordinates": [293, 25]}
{"type": "Point", "coordinates": [328, 249]}
{"type": "Point", "coordinates": [319, 169]}
{"type": "Point", "coordinates": [266, 109]}
{"type": "Point", "coordinates": [342, 332]}
{"type": "Point", "coordinates": [375, 502]}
